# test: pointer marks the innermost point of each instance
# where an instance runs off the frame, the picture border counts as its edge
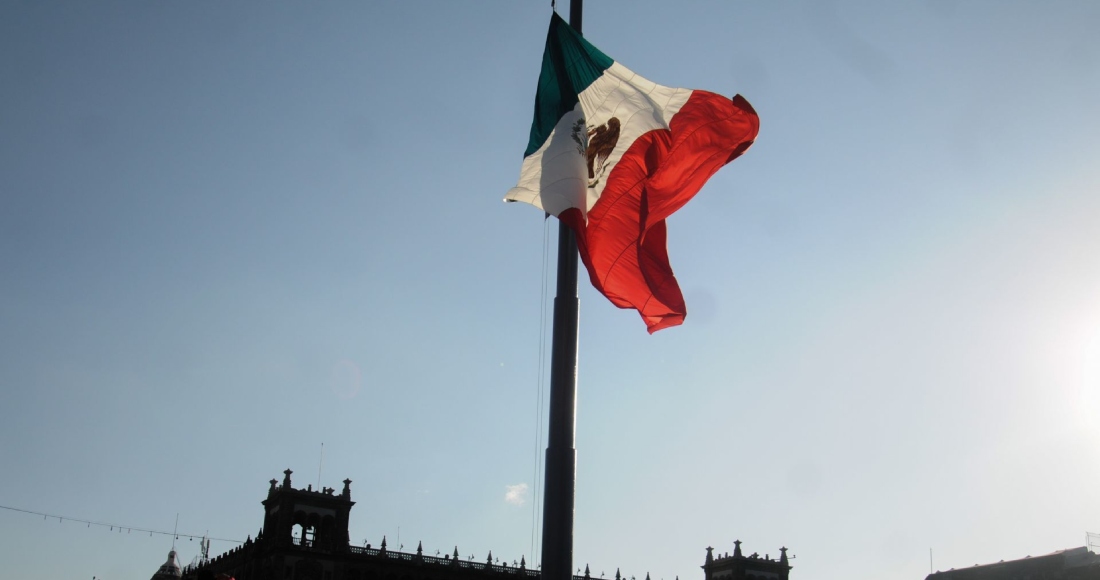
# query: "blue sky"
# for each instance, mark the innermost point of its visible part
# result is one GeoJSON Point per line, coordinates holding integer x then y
{"type": "Point", "coordinates": [231, 232]}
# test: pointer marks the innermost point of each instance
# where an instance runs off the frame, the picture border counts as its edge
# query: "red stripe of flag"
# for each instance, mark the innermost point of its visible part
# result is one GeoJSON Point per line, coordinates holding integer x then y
{"type": "Point", "coordinates": [623, 245]}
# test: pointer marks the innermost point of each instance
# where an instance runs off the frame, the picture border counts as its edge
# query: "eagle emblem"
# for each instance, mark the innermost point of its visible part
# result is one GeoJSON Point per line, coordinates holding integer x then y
{"type": "Point", "coordinates": [601, 142]}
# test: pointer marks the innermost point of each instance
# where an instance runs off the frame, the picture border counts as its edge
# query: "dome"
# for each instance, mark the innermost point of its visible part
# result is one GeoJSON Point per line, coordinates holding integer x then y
{"type": "Point", "coordinates": [169, 570]}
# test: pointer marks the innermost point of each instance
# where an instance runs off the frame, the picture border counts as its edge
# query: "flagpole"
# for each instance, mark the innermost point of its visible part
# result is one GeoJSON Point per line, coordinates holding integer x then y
{"type": "Point", "coordinates": [561, 454]}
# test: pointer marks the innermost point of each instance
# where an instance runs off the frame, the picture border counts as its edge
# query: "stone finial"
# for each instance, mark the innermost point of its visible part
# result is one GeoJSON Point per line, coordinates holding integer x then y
{"type": "Point", "coordinates": [286, 479]}
{"type": "Point", "coordinates": [710, 554]}
{"type": "Point", "coordinates": [587, 574]}
{"type": "Point", "coordinates": [454, 557]}
{"type": "Point", "coordinates": [419, 548]}
{"type": "Point", "coordinates": [383, 547]}
{"type": "Point", "coordinates": [737, 548]}
{"type": "Point", "coordinates": [783, 555]}
{"type": "Point", "coordinates": [617, 575]}
{"type": "Point", "coordinates": [489, 560]}
{"type": "Point", "coordinates": [271, 489]}
{"type": "Point", "coordinates": [647, 576]}
{"type": "Point", "coordinates": [522, 563]}
{"type": "Point", "coordinates": [347, 489]}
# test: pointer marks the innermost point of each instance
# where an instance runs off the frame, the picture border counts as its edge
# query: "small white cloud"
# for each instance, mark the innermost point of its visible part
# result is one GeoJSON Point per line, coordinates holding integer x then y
{"type": "Point", "coordinates": [516, 494]}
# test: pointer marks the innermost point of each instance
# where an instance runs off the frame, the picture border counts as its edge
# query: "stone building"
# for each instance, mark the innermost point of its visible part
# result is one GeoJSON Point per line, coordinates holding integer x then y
{"type": "Point", "coordinates": [741, 567]}
{"type": "Point", "coordinates": [305, 537]}
{"type": "Point", "coordinates": [1072, 564]}
{"type": "Point", "coordinates": [169, 570]}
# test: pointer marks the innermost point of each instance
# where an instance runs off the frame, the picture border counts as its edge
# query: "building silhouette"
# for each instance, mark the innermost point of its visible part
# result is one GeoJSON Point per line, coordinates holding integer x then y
{"type": "Point", "coordinates": [169, 570]}
{"type": "Point", "coordinates": [741, 567]}
{"type": "Point", "coordinates": [305, 537]}
{"type": "Point", "coordinates": [1073, 564]}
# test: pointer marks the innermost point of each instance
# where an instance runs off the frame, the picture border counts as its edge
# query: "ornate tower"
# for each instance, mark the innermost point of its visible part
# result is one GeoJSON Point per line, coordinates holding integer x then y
{"type": "Point", "coordinates": [169, 570]}
{"type": "Point", "coordinates": [741, 567]}
{"type": "Point", "coordinates": [313, 519]}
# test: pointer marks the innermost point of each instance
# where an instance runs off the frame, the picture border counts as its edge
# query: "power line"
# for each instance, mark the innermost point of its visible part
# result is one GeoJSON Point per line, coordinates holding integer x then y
{"type": "Point", "coordinates": [91, 523]}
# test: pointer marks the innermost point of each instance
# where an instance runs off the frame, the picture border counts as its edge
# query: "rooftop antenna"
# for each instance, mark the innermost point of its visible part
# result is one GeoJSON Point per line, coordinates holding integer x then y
{"type": "Point", "coordinates": [175, 529]}
{"type": "Point", "coordinates": [320, 464]}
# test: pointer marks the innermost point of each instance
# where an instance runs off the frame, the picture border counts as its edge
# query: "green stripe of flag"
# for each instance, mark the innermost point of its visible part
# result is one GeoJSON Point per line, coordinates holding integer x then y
{"type": "Point", "coordinates": [569, 65]}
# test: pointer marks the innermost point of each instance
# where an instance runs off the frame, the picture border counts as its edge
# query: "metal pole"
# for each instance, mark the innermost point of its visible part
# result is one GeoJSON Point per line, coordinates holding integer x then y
{"type": "Point", "coordinates": [561, 455]}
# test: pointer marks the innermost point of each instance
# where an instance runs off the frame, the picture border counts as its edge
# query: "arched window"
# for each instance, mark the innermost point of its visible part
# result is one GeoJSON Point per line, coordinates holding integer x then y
{"type": "Point", "coordinates": [297, 533]}
{"type": "Point", "coordinates": [303, 535]}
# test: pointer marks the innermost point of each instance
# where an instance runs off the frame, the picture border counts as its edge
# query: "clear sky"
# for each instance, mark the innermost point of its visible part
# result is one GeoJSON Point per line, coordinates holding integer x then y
{"type": "Point", "coordinates": [230, 232]}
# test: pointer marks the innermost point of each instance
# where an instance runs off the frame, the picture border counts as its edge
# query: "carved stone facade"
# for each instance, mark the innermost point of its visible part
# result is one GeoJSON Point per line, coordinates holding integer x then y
{"type": "Point", "coordinates": [305, 537]}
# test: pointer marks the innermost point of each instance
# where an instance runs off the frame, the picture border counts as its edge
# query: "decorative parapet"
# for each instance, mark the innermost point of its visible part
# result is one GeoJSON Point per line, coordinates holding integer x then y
{"type": "Point", "coordinates": [737, 555]}
{"type": "Point", "coordinates": [457, 562]}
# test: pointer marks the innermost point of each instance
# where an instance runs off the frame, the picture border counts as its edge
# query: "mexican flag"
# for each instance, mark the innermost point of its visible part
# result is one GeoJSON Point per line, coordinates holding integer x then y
{"type": "Point", "coordinates": [612, 155]}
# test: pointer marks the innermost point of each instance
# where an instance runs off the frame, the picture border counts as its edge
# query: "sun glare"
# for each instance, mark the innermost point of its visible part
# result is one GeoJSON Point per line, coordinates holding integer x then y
{"type": "Point", "coordinates": [1088, 407]}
